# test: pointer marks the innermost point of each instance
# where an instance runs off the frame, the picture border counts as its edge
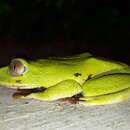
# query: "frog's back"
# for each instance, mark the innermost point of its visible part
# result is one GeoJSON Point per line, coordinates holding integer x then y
{"type": "Point", "coordinates": [74, 57]}
{"type": "Point", "coordinates": [56, 69]}
{"type": "Point", "coordinates": [78, 67]}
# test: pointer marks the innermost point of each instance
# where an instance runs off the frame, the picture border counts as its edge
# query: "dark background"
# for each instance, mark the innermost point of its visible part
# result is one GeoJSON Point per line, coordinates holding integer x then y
{"type": "Point", "coordinates": [35, 29]}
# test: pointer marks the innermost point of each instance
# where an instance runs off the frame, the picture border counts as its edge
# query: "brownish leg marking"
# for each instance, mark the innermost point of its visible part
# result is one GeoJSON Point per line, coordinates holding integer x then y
{"type": "Point", "coordinates": [73, 100]}
{"type": "Point", "coordinates": [69, 99]}
{"type": "Point", "coordinates": [26, 92]}
{"type": "Point", "coordinates": [21, 93]}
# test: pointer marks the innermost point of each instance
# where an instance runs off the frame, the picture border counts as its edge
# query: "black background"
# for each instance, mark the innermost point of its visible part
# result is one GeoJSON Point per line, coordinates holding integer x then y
{"type": "Point", "coordinates": [35, 29]}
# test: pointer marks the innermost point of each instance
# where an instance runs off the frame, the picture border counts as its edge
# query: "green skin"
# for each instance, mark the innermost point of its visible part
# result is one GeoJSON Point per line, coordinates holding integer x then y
{"type": "Point", "coordinates": [100, 81]}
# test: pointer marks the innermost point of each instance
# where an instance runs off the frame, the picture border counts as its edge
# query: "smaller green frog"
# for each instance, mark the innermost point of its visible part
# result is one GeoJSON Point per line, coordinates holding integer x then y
{"type": "Point", "coordinates": [82, 79]}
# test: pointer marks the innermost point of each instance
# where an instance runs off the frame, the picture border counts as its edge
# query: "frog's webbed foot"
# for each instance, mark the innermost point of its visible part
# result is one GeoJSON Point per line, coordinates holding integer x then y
{"type": "Point", "coordinates": [24, 93]}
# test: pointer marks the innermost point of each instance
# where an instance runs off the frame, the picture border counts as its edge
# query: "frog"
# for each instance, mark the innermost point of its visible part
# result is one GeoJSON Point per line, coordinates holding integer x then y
{"type": "Point", "coordinates": [81, 79]}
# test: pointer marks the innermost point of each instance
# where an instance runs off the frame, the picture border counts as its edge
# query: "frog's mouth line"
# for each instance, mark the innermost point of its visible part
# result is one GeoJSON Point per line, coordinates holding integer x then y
{"type": "Point", "coordinates": [26, 92]}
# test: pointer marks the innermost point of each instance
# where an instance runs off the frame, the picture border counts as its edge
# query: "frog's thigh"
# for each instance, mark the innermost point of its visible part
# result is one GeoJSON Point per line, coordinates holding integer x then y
{"type": "Point", "coordinates": [106, 99]}
{"type": "Point", "coordinates": [66, 88]}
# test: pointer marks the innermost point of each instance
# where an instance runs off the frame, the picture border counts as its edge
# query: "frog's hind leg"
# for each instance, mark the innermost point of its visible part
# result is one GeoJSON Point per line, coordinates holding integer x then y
{"type": "Point", "coordinates": [110, 98]}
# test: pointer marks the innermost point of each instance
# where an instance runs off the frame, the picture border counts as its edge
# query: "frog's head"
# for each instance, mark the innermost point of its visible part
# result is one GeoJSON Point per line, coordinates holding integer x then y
{"type": "Point", "coordinates": [18, 74]}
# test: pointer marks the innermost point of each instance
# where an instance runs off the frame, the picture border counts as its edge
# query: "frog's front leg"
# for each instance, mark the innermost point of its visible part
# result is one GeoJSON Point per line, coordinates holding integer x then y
{"type": "Point", "coordinates": [64, 89]}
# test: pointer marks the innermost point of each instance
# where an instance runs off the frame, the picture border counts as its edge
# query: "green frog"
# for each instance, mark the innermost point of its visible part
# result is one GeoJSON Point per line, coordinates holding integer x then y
{"type": "Point", "coordinates": [81, 78]}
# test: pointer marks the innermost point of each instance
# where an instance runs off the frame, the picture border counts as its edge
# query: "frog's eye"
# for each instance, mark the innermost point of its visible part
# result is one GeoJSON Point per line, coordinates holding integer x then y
{"type": "Point", "coordinates": [17, 68]}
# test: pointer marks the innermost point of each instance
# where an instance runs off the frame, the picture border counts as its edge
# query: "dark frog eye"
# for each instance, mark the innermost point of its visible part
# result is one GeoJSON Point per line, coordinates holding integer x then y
{"type": "Point", "coordinates": [17, 68]}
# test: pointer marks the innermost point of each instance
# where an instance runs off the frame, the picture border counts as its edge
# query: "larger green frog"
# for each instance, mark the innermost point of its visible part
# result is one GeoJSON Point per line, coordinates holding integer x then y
{"type": "Point", "coordinates": [82, 79]}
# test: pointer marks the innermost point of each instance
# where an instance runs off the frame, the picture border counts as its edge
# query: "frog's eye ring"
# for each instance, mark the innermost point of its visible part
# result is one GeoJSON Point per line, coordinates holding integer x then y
{"type": "Point", "coordinates": [17, 68]}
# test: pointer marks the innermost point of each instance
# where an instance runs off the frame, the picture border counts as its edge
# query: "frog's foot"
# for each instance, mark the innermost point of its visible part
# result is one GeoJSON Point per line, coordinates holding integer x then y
{"type": "Point", "coordinates": [24, 93]}
{"type": "Point", "coordinates": [73, 100]}
{"type": "Point", "coordinates": [110, 98]}
{"type": "Point", "coordinates": [68, 99]}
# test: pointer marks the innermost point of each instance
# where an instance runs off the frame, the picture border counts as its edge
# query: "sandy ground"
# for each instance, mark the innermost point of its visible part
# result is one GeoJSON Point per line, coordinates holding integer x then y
{"type": "Point", "coordinates": [40, 115]}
